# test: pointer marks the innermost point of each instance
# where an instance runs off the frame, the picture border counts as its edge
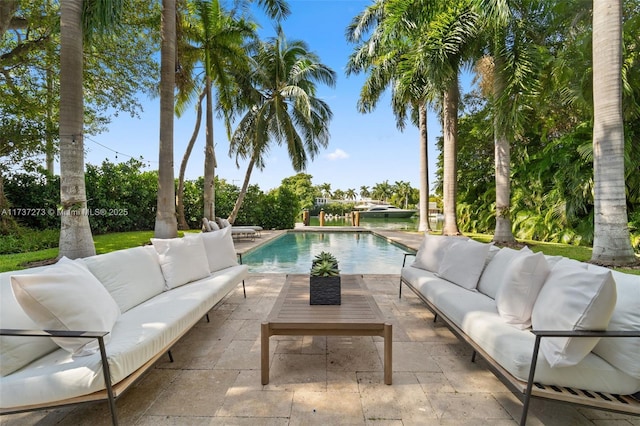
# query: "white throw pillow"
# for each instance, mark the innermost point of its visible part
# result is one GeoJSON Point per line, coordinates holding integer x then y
{"type": "Point", "coordinates": [182, 260]}
{"type": "Point", "coordinates": [493, 274]}
{"type": "Point", "coordinates": [573, 298]}
{"type": "Point", "coordinates": [131, 276]}
{"type": "Point", "coordinates": [221, 253]}
{"type": "Point", "coordinates": [431, 251]}
{"type": "Point", "coordinates": [519, 290]}
{"type": "Point", "coordinates": [206, 225]}
{"type": "Point", "coordinates": [213, 225]}
{"type": "Point", "coordinates": [67, 296]}
{"type": "Point", "coordinates": [463, 263]}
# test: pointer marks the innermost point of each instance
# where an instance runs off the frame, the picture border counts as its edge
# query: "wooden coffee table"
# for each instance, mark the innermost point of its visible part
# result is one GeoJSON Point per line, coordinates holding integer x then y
{"type": "Point", "coordinates": [358, 315]}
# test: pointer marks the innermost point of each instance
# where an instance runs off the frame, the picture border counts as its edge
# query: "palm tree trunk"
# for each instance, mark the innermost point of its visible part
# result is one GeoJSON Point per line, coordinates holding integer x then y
{"type": "Point", "coordinates": [424, 224]}
{"type": "Point", "coordinates": [502, 160]}
{"type": "Point", "coordinates": [209, 159]}
{"type": "Point", "coordinates": [166, 225]}
{"type": "Point", "coordinates": [611, 244]}
{"type": "Point", "coordinates": [450, 133]}
{"type": "Point", "coordinates": [243, 191]}
{"type": "Point", "coordinates": [75, 233]}
{"type": "Point", "coordinates": [182, 222]}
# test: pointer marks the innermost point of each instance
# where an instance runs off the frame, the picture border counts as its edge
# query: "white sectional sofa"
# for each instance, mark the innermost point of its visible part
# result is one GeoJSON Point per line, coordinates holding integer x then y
{"type": "Point", "coordinates": [506, 302]}
{"type": "Point", "coordinates": [142, 300]}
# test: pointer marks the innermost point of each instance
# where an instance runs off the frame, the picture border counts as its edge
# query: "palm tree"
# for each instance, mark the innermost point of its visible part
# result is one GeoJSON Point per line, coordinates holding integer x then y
{"type": "Point", "coordinates": [380, 56]}
{"type": "Point", "coordinates": [75, 233]}
{"type": "Point", "coordinates": [282, 107]}
{"type": "Point", "coordinates": [382, 191]}
{"type": "Point", "coordinates": [325, 188]}
{"type": "Point", "coordinates": [364, 192]}
{"type": "Point", "coordinates": [350, 194]}
{"type": "Point", "coordinates": [403, 190]}
{"type": "Point", "coordinates": [612, 244]}
{"type": "Point", "coordinates": [166, 225]}
{"type": "Point", "coordinates": [214, 38]}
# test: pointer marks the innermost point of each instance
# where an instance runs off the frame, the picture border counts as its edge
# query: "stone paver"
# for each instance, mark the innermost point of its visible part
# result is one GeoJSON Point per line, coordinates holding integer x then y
{"type": "Point", "coordinates": [215, 378]}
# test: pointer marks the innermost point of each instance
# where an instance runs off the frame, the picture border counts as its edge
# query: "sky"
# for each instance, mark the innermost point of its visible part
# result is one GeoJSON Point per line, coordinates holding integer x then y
{"type": "Point", "coordinates": [364, 149]}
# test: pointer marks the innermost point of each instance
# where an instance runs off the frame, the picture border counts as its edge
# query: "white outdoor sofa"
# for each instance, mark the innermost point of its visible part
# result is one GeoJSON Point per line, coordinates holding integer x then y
{"type": "Point", "coordinates": [124, 310]}
{"type": "Point", "coordinates": [539, 321]}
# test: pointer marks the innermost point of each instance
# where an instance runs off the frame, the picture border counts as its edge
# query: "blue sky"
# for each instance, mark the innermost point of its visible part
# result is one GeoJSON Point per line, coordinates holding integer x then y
{"type": "Point", "coordinates": [363, 149]}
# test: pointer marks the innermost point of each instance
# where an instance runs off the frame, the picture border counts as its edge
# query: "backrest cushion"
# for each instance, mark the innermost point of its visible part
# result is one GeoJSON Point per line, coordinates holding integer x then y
{"type": "Point", "coordinates": [219, 248]}
{"type": "Point", "coordinates": [623, 353]}
{"type": "Point", "coordinates": [431, 251]}
{"type": "Point", "coordinates": [493, 274]}
{"type": "Point", "coordinates": [182, 260]}
{"type": "Point", "coordinates": [573, 298]}
{"type": "Point", "coordinates": [214, 225]}
{"type": "Point", "coordinates": [522, 281]}
{"type": "Point", "coordinates": [463, 262]}
{"type": "Point", "coordinates": [16, 352]}
{"type": "Point", "coordinates": [67, 296]}
{"type": "Point", "coordinates": [206, 226]}
{"type": "Point", "coordinates": [131, 276]}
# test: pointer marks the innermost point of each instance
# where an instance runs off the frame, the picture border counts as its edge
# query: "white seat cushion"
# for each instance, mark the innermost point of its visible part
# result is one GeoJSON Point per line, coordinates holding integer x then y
{"type": "Point", "coordinates": [573, 298]}
{"type": "Point", "coordinates": [67, 297]}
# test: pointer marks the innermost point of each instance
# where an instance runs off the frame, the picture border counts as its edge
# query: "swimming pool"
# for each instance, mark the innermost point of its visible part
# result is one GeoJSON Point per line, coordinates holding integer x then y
{"type": "Point", "coordinates": [357, 253]}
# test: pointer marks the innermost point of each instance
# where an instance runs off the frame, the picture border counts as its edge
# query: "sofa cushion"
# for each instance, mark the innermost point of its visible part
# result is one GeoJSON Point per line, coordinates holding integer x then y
{"type": "Point", "coordinates": [431, 251]}
{"type": "Point", "coordinates": [493, 273]}
{"type": "Point", "coordinates": [131, 276]}
{"type": "Point", "coordinates": [16, 352]}
{"type": "Point", "coordinates": [522, 281]}
{"type": "Point", "coordinates": [219, 248]}
{"type": "Point", "coordinates": [573, 298]}
{"type": "Point", "coordinates": [67, 296]}
{"type": "Point", "coordinates": [182, 260]}
{"type": "Point", "coordinates": [463, 262]}
{"type": "Point", "coordinates": [623, 352]}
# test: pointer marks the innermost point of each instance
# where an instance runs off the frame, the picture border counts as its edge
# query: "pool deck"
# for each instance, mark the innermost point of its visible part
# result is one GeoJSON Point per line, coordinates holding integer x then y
{"type": "Point", "coordinates": [215, 377]}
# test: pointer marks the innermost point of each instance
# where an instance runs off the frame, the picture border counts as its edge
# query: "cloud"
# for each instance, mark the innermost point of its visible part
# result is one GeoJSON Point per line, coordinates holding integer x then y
{"type": "Point", "coordinates": [338, 154]}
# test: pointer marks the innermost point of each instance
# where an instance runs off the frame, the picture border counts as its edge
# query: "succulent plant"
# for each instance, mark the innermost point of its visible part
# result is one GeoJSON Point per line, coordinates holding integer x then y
{"type": "Point", "coordinates": [325, 256]}
{"type": "Point", "coordinates": [325, 268]}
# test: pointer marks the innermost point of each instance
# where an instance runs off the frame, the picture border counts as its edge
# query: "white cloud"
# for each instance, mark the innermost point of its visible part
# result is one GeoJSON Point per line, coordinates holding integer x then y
{"type": "Point", "coordinates": [338, 154]}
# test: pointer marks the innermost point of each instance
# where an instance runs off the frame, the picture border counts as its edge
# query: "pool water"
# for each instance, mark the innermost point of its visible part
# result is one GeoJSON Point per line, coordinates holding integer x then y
{"type": "Point", "coordinates": [357, 253]}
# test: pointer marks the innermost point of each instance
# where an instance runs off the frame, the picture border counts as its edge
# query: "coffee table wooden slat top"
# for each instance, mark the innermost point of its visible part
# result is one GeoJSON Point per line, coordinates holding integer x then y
{"type": "Point", "coordinates": [358, 315]}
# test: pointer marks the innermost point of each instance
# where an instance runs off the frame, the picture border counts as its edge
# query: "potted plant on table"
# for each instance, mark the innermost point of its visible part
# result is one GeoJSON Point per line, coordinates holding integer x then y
{"type": "Point", "coordinates": [324, 280]}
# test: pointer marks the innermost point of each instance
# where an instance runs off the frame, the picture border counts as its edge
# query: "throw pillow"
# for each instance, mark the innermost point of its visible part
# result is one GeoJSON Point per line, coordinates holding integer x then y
{"type": "Point", "coordinates": [520, 287]}
{"type": "Point", "coordinates": [493, 274]}
{"type": "Point", "coordinates": [219, 248]}
{"type": "Point", "coordinates": [214, 226]}
{"type": "Point", "coordinates": [463, 263]}
{"type": "Point", "coordinates": [573, 298]}
{"type": "Point", "coordinates": [431, 251]}
{"type": "Point", "coordinates": [67, 296]}
{"type": "Point", "coordinates": [182, 260]}
{"type": "Point", "coordinates": [206, 225]}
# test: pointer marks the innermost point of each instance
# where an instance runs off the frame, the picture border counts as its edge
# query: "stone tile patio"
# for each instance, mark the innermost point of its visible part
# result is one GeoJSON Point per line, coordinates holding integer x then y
{"type": "Point", "coordinates": [215, 376]}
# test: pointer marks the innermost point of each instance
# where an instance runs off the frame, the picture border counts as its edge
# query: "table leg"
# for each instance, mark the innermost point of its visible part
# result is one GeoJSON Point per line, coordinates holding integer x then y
{"type": "Point", "coordinates": [388, 350]}
{"type": "Point", "coordinates": [264, 352]}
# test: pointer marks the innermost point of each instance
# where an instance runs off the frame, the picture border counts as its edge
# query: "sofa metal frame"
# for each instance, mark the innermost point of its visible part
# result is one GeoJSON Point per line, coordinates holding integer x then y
{"type": "Point", "coordinates": [626, 404]}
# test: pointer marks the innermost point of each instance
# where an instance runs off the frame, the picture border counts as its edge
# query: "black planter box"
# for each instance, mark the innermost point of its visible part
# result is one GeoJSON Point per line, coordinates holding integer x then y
{"type": "Point", "coordinates": [324, 290]}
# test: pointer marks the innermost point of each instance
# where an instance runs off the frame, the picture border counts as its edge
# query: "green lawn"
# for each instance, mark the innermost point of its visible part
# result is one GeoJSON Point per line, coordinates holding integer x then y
{"type": "Point", "coordinates": [121, 240]}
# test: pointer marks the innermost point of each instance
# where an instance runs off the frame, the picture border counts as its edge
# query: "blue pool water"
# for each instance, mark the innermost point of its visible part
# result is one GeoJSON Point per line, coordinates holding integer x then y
{"type": "Point", "coordinates": [357, 253]}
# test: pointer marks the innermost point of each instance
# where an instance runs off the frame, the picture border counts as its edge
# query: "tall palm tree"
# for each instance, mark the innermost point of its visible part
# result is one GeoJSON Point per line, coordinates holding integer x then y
{"type": "Point", "coordinates": [612, 244]}
{"type": "Point", "coordinates": [282, 107]}
{"type": "Point", "coordinates": [379, 56]}
{"type": "Point", "coordinates": [75, 233]}
{"type": "Point", "coordinates": [364, 192]}
{"type": "Point", "coordinates": [215, 39]}
{"type": "Point", "coordinates": [166, 225]}
{"type": "Point", "coordinates": [350, 194]}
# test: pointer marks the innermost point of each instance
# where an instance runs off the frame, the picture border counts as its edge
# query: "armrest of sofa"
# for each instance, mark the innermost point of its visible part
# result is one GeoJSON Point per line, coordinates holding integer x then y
{"type": "Point", "coordinates": [563, 333]}
{"type": "Point", "coordinates": [78, 334]}
{"type": "Point", "coordinates": [404, 259]}
{"type": "Point", "coordinates": [54, 333]}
